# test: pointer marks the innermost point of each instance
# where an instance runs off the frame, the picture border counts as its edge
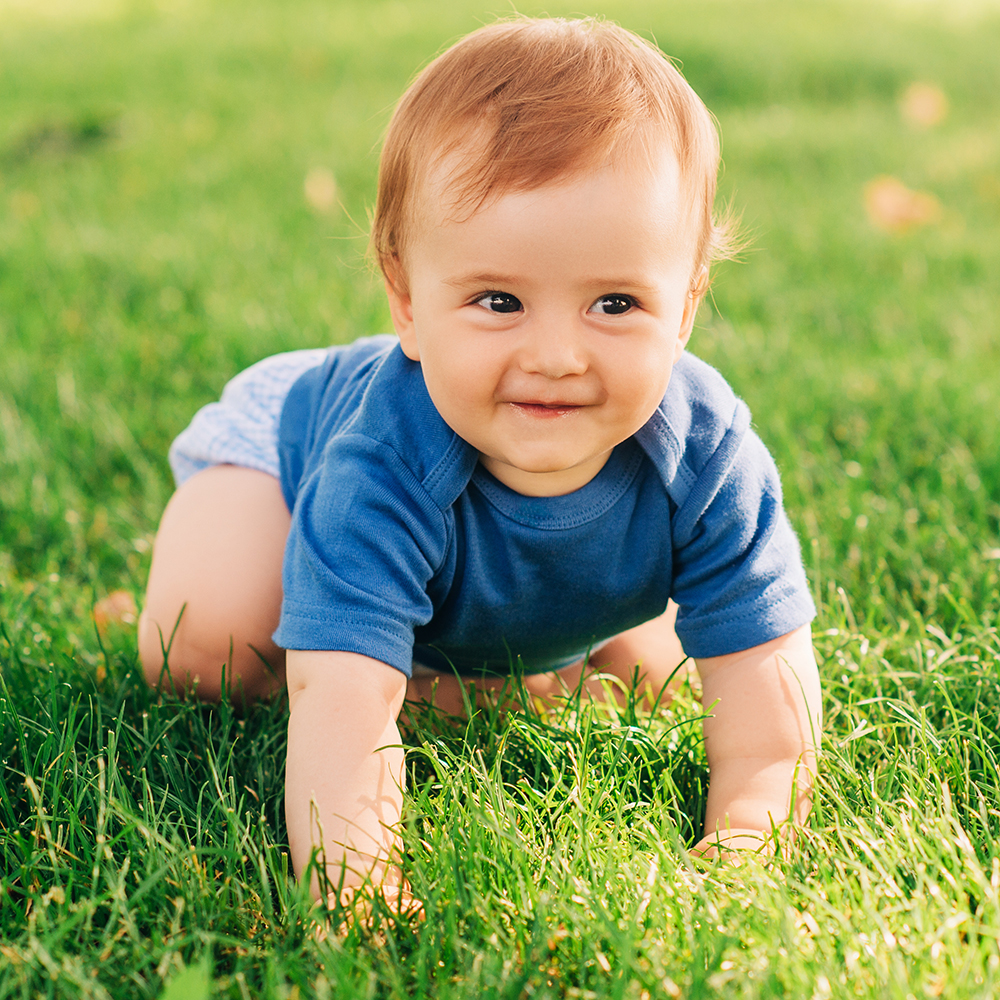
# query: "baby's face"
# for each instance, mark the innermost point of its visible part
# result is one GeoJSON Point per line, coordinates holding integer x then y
{"type": "Point", "coordinates": [547, 324]}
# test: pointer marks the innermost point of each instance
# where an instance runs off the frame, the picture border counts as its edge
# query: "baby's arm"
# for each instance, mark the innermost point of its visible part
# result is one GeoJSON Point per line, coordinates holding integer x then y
{"type": "Point", "coordinates": [344, 777]}
{"type": "Point", "coordinates": [761, 739]}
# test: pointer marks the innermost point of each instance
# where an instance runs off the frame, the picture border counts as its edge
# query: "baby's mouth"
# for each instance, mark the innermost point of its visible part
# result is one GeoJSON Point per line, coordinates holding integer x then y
{"type": "Point", "coordinates": [538, 409]}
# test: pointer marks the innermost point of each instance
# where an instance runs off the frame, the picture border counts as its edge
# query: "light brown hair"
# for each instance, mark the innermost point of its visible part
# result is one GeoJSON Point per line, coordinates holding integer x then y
{"type": "Point", "coordinates": [525, 101]}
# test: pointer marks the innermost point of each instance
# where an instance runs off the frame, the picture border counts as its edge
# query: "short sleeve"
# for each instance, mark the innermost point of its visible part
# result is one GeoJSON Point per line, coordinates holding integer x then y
{"type": "Point", "coordinates": [366, 540]}
{"type": "Point", "coordinates": [738, 575]}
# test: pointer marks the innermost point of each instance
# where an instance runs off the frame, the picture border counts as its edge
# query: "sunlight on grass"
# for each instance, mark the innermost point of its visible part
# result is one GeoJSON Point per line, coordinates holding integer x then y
{"type": "Point", "coordinates": [83, 10]}
{"type": "Point", "coordinates": [62, 10]}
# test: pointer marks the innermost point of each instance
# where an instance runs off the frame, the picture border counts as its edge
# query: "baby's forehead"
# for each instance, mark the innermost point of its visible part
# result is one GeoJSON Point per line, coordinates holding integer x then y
{"type": "Point", "coordinates": [455, 179]}
{"type": "Point", "coordinates": [642, 200]}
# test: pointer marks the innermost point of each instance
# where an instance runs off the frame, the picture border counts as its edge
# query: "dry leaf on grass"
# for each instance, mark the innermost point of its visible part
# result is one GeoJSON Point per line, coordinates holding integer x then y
{"type": "Point", "coordinates": [320, 189]}
{"type": "Point", "coordinates": [896, 208]}
{"type": "Point", "coordinates": [924, 105]}
{"type": "Point", "coordinates": [118, 608]}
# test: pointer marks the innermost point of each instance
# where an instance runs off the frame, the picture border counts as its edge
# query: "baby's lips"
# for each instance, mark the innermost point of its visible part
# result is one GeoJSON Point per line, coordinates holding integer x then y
{"type": "Point", "coordinates": [550, 404]}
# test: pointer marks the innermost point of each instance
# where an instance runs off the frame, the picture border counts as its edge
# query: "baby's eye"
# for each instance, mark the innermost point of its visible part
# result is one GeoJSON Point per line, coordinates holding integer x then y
{"type": "Point", "coordinates": [500, 302]}
{"type": "Point", "coordinates": [613, 305]}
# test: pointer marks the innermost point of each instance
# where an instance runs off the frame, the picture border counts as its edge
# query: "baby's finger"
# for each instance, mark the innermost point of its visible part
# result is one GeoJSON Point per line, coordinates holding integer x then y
{"type": "Point", "coordinates": [370, 907]}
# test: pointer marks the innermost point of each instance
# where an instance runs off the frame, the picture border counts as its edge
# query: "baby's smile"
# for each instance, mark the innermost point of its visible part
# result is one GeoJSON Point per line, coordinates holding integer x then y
{"type": "Point", "coordinates": [542, 409]}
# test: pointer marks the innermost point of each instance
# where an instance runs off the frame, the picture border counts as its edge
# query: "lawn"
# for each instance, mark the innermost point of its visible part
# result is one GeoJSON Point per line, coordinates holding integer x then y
{"type": "Point", "coordinates": [184, 189]}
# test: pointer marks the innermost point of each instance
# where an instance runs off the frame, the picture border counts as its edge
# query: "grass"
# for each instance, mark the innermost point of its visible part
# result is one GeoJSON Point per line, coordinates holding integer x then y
{"type": "Point", "coordinates": [154, 239]}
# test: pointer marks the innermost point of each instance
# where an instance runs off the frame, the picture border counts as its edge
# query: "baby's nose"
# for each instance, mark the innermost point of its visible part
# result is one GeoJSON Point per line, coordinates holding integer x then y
{"type": "Point", "coordinates": [554, 351]}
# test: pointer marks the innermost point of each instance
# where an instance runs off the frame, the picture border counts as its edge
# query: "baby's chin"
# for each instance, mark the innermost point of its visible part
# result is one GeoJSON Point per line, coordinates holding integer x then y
{"type": "Point", "coordinates": [543, 477]}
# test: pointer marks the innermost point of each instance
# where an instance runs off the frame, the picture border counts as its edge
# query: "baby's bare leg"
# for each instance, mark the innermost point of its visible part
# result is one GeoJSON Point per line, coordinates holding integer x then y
{"type": "Point", "coordinates": [653, 646]}
{"type": "Point", "coordinates": [218, 557]}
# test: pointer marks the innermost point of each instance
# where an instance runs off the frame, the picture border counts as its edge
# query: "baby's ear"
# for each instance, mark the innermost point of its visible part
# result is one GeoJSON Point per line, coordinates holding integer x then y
{"type": "Point", "coordinates": [401, 310]}
{"type": "Point", "coordinates": [698, 288]}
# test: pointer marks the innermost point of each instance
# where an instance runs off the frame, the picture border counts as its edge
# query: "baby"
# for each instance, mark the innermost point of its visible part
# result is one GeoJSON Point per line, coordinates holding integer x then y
{"type": "Point", "coordinates": [531, 471]}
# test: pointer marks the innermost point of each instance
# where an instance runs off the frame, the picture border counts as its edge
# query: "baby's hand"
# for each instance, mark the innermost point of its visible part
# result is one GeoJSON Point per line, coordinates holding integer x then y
{"type": "Point", "coordinates": [397, 899]}
{"type": "Point", "coordinates": [359, 907]}
{"type": "Point", "coordinates": [732, 845]}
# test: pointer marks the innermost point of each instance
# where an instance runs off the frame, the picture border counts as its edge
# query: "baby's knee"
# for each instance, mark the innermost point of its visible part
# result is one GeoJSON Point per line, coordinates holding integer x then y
{"type": "Point", "coordinates": [171, 660]}
{"type": "Point", "coordinates": [152, 651]}
{"type": "Point", "coordinates": [190, 658]}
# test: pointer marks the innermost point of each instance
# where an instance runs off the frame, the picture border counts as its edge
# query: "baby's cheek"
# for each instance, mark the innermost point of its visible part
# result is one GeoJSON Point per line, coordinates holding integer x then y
{"type": "Point", "coordinates": [650, 377]}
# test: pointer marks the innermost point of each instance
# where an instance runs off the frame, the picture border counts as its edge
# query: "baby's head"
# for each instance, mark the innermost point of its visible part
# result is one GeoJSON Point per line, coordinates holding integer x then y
{"type": "Point", "coordinates": [544, 223]}
{"type": "Point", "coordinates": [524, 102]}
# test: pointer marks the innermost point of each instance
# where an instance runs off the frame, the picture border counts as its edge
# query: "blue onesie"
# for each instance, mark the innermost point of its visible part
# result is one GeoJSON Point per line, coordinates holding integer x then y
{"type": "Point", "coordinates": [404, 548]}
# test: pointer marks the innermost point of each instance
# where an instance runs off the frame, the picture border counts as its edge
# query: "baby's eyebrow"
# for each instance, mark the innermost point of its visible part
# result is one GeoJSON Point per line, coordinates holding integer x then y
{"type": "Point", "coordinates": [619, 284]}
{"type": "Point", "coordinates": [605, 284]}
{"type": "Point", "coordinates": [484, 279]}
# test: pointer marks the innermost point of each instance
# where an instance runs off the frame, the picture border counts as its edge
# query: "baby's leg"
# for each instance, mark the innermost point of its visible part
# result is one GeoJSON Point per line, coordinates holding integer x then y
{"type": "Point", "coordinates": [217, 557]}
{"type": "Point", "coordinates": [653, 646]}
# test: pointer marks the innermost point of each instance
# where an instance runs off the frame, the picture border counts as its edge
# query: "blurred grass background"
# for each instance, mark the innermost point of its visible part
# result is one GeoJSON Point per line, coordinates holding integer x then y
{"type": "Point", "coordinates": [184, 189]}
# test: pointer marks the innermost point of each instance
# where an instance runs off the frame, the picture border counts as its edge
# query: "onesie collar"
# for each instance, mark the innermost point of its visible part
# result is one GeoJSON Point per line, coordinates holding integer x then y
{"type": "Point", "coordinates": [570, 510]}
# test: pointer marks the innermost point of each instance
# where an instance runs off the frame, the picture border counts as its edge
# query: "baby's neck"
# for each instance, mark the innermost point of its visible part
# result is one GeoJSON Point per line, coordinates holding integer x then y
{"type": "Point", "coordinates": [555, 483]}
